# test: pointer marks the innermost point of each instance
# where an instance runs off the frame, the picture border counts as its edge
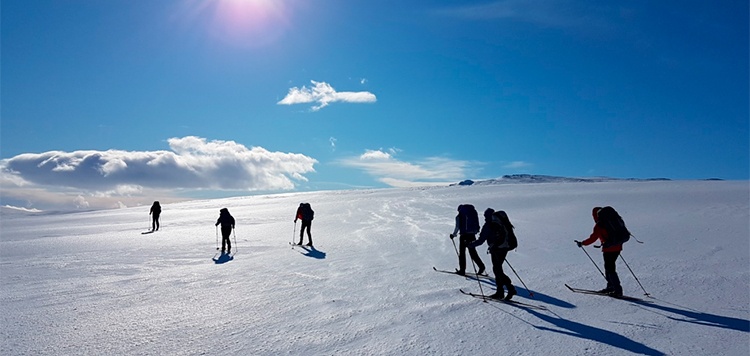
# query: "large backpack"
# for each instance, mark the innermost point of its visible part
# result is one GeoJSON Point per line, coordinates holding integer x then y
{"type": "Point", "coordinates": [307, 212]}
{"type": "Point", "coordinates": [505, 235]}
{"type": "Point", "coordinates": [468, 219]}
{"type": "Point", "coordinates": [610, 220]}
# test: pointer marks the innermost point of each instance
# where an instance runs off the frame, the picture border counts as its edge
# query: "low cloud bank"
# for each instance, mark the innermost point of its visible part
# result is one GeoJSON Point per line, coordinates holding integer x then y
{"type": "Point", "coordinates": [193, 163]}
{"type": "Point", "coordinates": [384, 166]}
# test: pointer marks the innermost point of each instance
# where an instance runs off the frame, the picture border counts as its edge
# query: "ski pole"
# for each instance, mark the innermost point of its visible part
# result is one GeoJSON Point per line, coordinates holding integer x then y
{"type": "Point", "coordinates": [234, 233]}
{"type": "Point", "coordinates": [217, 237]}
{"type": "Point", "coordinates": [475, 270]}
{"type": "Point", "coordinates": [455, 248]}
{"type": "Point", "coordinates": [531, 294]}
{"type": "Point", "coordinates": [592, 260]}
{"type": "Point", "coordinates": [636, 278]}
{"type": "Point", "coordinates": [484, 299]}
{"type": "Point", "coordinates": [294, 231]}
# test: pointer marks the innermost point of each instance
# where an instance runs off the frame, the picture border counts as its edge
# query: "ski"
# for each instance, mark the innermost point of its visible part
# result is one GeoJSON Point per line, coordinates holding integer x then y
{"type": "Point", "coordinates": [147, 232]}
{"type": "Point", "coordinates": [298, 245]}
{"type": "Point", "coordinates": [484, 275]}
{"type": "Point", "coordinates": [511, 302]}
{"type": "Point", "coordinates": [589, 291]}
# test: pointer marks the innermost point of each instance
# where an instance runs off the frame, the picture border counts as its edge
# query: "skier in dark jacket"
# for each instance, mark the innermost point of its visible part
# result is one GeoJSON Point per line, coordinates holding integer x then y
{"type": "Point", "coordinates": [467, 235]}
{"type": "Point", "coordinates": [306, 214]}
{"type": "Point", "coordinates": [610, 254]}
{"type": "Point", "coordinates": [495, 231]}
{"type": "Point", "coordinates": [155, 212]}
{"type": "Point", "coordinates": [227, 225]}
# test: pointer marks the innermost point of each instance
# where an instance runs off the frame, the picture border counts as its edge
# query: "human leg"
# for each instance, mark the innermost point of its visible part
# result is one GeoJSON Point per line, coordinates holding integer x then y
{"type": "Point", "coordinates": [610, 272]}
{"type": "Point", "coordinates": [501, 279]}
{"type": "Point", "coordinates": [474, 255]}
{"type": "Point", "coordinates": [462, 245]}
{"type": "Point", "coordinates": [308, 224]}
{"type": "Point", "coordinates": [225, 240]}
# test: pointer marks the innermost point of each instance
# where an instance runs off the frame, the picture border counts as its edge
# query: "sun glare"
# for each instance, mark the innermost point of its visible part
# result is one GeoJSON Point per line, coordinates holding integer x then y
{"type": "Point", "coordinates": [247, 23]}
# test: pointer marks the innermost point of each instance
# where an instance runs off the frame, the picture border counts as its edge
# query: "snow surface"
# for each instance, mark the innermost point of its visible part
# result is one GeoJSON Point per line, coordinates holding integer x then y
{"type": "Point", "coordinates": [91, 283]}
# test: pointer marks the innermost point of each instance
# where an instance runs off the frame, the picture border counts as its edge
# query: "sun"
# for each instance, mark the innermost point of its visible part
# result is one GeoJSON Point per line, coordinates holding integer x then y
{"type": "Point", "coordinates": [246, 23]}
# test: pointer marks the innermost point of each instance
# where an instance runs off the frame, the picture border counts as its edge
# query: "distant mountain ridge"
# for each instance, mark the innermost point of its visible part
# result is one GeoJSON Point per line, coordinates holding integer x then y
{"type": "Point", "coordinates": [536, 178]}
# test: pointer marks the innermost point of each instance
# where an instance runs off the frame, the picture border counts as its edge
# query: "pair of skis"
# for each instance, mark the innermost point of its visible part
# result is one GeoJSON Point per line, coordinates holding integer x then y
{"type": "Point", "coordinates": [487, 298]}
{"type": "Point", "coordinates": [589, 291]}
{"type": "Point", "coordinates": [483, 275]}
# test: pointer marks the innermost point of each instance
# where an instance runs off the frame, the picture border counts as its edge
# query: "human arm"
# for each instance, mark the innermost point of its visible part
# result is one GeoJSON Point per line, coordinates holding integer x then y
{"type": "Point", "coordinates": [597, 234]}
{"type": "Point", "coordinates": [455, 229]}
{"type": "Point", "coordinates": [483, 236]}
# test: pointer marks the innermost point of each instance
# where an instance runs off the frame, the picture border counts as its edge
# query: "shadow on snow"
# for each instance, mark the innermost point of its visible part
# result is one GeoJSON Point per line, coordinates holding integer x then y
{"type": "Point", "coordinates": [310, 251]}
{"type": "Point", "coordinates": [223, 258]}
{"type": "Point", "coordinates": [524, 293]}
{"type": "Point", "coordinates": [696, 317]}
{"type": "Point", "coordinates": [583, 331]}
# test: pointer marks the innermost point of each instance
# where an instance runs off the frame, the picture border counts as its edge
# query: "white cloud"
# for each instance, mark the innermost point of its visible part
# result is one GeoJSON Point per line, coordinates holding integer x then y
{"type": "Point", "coordinates": [332, 140]}
{"type": "Point", "coordinates": [81, 203]}
{"type": "Point", "coordinates": [375, 155]}
{"type": "Point", "coordinates": [323, 94]}
{"type": "Point", "coordinates": [517, 165]}
{"type": "Point", "coordinates": [396, 173]}
{"type": "Point", "coordinates": [192, 164]}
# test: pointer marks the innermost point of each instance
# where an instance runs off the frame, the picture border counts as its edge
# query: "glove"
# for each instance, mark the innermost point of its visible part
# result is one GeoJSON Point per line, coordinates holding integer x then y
{"type": "Point", "coordinates": [295, 220]}
{"type": "Point", "coordinates": [578, 243]}
{"type": "Point", "coordinates": [452, 236]}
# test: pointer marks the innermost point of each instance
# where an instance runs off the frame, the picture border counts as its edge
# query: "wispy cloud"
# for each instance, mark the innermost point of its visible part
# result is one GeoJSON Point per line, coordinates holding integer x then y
{"type": "Point", "coordinates": [332, 140]}
{"type": "Point", "coordinates": [517, 165]}
{"type": "Point", "coordinates": [106, 176]}
{"type": "Point", "coordinates": [383, 165]}
{"type": "Point", "coordinates": [323, 94]}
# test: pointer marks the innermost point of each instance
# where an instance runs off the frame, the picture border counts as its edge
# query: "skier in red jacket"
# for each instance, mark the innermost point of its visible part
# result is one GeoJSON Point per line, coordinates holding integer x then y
{"type": "Point", "coordinates": [610, 254]}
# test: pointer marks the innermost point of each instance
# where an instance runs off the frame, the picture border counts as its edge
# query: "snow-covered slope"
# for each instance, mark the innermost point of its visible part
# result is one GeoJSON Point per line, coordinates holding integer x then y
{"type": "Point", "coordinates": [91, 283]}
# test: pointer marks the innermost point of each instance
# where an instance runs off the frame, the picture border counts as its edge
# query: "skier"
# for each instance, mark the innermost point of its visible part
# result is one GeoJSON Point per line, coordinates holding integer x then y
{"type": "Point", "coordinates": [306, 214]}
{"type": "Point", "coordinates": [155, 212]}
{"type": "Point", "coordinates": [467, 226]}
{"type": "Point", "coordinates": [495, 231]}
{"type": "Point", "coordinates": [227, 225]}
{"type": "Point", "coordinates": [610, 254]}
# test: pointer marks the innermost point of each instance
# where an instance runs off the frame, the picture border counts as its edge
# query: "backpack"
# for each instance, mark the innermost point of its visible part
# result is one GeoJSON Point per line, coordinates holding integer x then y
{"type": "Point", "coordinates": [468, 219]}
{"type": "Point", "coordinates": [610, 220]}
{"type": "Point", "coordinates": [307, 212]}
{"type": "Point", "coordinates": [509, 240]}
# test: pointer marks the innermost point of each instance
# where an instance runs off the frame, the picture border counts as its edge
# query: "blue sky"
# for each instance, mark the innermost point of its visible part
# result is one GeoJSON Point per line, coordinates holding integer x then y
{"type": "Point", "coordinates": [116, 103]}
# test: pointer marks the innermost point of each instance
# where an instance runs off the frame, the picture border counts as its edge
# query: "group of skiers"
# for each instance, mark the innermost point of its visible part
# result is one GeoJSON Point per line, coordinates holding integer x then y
{"type": "Point", "coordinates": [227, 222]}
{"type": "Point", "coordinates": [499, 234]}
{"type": "Point", "coordinates": [497, 231]}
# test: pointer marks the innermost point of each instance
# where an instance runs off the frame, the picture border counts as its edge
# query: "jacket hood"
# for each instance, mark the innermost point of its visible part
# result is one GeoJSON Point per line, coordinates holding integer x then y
{"type": "Point", "coordinates": [488, 214]}
{"type": "Point", "coordinates": [595, 213]}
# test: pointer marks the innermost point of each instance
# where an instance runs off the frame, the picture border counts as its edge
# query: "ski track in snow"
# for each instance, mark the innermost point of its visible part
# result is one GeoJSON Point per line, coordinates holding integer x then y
{"type": "Point", "coordinates": [90, 283]}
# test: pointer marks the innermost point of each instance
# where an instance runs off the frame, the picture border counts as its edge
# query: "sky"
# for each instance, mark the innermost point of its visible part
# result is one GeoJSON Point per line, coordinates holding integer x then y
{"type": "Point", "coordinates": [118, 103]}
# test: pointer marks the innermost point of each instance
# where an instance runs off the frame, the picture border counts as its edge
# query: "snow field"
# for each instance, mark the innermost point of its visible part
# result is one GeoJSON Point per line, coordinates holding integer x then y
{"type": "Point", "coordinates": [91, 283]}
